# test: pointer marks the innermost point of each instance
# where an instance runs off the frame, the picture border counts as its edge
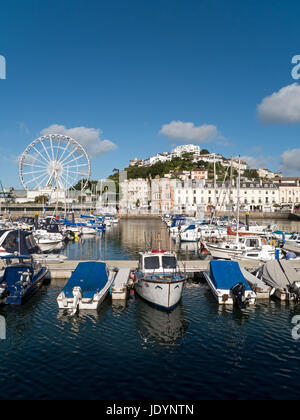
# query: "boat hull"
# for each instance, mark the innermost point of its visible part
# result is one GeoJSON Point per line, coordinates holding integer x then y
{"type": "Point", "coordinates": [223, 296]}
{"type": "Point", "coordinates": [20, 299]}
{"type": "Point", "coordinates": [84, 304]}
{"type": "Point", "coordinates": [165, 295]}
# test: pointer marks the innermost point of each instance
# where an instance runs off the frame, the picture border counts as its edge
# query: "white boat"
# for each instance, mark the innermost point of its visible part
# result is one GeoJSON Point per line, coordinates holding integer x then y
{"type": "Point", "coordinates": [42, 236]}
{"type": "Point", "coordinates": [85, 230]}
{"type": "Point", "coordinates": [282, 278]}
{"type": "Point", "coordinates": [259, 254]}
{"type": "Point", "coordinates": [279, 234]}
{"type": "Point", "coordinates": [158, 279]}
{"type": "Point", "coordinates": [87, 288]}
{"type": "Point", "coordinates": [234, 249]}
{"type": "Point", "coordinates": [196, 233]}
{"type": "Point", "coordinates": [293, 239]}
{"type": "Point", "coordinates": [228, 285]}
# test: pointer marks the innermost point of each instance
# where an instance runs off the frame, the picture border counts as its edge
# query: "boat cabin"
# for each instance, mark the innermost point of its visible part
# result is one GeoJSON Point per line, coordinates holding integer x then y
{"type": "Point", "coordinates": [19, 241]}
{"type": "Point", "coordinates": [158, 262]}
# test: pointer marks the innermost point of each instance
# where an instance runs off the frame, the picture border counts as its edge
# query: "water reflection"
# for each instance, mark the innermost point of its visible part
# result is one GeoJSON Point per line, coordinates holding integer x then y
{"type": "Point", "coordinates": [126, 240]}
{"type": "Point", "coordinates": [156, 326]}
{"type": "Point", "coordinates": [83, 317]}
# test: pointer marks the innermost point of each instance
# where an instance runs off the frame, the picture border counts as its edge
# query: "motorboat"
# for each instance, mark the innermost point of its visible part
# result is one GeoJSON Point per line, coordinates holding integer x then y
{"type": "Point", "coordinates": [228, 285]}
{"type": "Point", "coordinates": [282, 278]}
{"type": "Point", "coordinates": [87, 287]}
{"type": "Point", "coordinates": [179, 225]}
{"type": "Point", "coordinates": [259, 254]}
{"type": "Point", "coordinates": [195, 233]}
{"type": "Point", "coordinates": [43, 237]}
{"type": "Point", "coordinates": [24, 243]}
{"type": "Point", "coordinates": [293, 239]}
{"type": "Point", "coordinates": [280, 234]}
{"type": "Point", "coordinates": [22, 277]}
{"type": "Point", "coordinates": [158, 279]}
{"type": "Point", "coordinates": [233, 249]}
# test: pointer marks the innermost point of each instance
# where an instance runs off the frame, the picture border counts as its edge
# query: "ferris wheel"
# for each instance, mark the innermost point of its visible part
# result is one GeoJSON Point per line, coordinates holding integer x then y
{"type": "Point", "coordinates": [54, 161]}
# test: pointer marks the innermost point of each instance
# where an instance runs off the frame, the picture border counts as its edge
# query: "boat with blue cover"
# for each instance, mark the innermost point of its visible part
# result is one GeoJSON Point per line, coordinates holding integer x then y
{"type": "Point", "coordinates": [87, 288]}
{"type": "Point", "coordinates": [22, 277]}
{"type": "Point", "coordinates": [228, 284]}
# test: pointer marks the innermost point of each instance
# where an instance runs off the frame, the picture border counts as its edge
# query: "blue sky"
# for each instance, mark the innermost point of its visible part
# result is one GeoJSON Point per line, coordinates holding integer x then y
{"type": "Point", "coordinates": [128, 68]}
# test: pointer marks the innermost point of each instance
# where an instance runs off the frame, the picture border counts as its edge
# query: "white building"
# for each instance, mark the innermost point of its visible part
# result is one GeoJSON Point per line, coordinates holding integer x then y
{"type": "Point", "coordinates": [289, 192]}
{"type": "Point", "coordinates": [135, 196]}
{"type": "Point", "coordinates": [193, 196]}
{"type": "Point", "coordinates": [186, 148]}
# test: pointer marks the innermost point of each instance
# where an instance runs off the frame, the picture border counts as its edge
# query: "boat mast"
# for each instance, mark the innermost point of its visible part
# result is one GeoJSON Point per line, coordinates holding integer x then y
{"type": "Point", "coordinates": [238, 203]}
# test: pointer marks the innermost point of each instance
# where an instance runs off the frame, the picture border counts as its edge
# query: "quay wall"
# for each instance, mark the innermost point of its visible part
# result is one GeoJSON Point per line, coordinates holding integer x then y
{"type": "Point", "coordinates": [18, 210]}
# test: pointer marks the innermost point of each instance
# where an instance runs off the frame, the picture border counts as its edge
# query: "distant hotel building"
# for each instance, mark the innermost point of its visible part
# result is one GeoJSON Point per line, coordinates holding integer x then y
{"type": "Point", "coordinates": [194, 195]}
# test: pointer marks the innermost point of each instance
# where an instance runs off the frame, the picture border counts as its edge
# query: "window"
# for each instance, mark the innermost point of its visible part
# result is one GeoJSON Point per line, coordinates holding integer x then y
{"type": "Point", "coordinates": [253, 243]}
{"type": "Point", "coordinates": [11, 243]}
{"type": "Point", "coordinates": [151, 263]}
{"type": "Point", "coordinates": [169, 262]}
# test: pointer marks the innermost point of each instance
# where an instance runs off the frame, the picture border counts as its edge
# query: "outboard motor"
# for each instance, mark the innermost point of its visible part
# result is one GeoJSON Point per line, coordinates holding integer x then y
{"type": "Point", "coordinates": [238, 295]}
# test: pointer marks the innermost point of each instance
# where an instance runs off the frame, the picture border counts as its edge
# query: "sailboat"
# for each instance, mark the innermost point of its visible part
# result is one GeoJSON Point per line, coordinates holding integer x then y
{"type": "Point", "coordinates": [242, 243]}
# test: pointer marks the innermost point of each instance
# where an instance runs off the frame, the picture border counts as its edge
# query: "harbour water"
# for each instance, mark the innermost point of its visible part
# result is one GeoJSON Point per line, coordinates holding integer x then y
{"type": "Point", "coordinates": [198, 351]}
{"type": "Point", "coordinates": [126, 240]}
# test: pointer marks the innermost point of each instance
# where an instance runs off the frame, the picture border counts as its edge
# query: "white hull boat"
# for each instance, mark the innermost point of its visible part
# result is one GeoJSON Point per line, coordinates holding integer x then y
{"type": "Point", "coordinates": [234, 249]}
{"type": "Point", "coordinates": [87, 288]}
{"type": "Point", "coordinates": [158, 280]}
{"type": "Point", "coordinates": [262, 255]}
{"type": "Point", "coordinates": [228, 285]}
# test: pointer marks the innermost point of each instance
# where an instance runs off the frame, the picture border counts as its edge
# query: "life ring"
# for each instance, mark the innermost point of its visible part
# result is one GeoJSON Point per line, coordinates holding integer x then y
{"type": "Point", "coordinates": [272, 242]}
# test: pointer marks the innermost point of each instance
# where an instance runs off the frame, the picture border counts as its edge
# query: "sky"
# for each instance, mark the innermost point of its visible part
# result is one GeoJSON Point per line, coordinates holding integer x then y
{"type": "Point", "coordinates": [133, 78]}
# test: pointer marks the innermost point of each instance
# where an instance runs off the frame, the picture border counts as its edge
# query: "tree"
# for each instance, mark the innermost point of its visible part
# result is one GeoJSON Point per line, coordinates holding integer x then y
{"type": "Point", "coordinates": [41, 199]}
{"type": "Point", "coordinates": [251, 174]}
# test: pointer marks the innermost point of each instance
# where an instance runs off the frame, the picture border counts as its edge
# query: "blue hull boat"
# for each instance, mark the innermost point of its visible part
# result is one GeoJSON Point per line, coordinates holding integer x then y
{"type": "Point", "coordinates": [22, 278]}
{"type": "Point", "coordinates": [228, 284]}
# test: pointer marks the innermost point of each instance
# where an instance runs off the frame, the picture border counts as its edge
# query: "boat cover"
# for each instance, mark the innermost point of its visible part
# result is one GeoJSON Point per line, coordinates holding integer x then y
{"type": "Point", "coordinates": [91, 277]}
{"type": "Point", "coordinates": [279, 273]}
{"type": "Point", "coordinates": [226, 274]}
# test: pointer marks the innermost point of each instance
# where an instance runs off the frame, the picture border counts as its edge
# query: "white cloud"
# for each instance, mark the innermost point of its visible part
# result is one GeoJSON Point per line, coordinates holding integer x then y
{"type": "Point", "coordinates": [256, 162]}
{"type": "Point", "coordinates": [290, 162]}
{"type": "Point", "coordinates": [90, 138]}
{"type": "Point", "coordinates": [187, 131]}
{"type": "Point", "coordinates": [282, 106]}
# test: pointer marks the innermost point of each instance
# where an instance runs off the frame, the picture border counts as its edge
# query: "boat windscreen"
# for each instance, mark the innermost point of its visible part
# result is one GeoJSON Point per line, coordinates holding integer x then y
{"type": "Point", "coordinates": [169, 262]}
{"type": "Point", "coordinates": [252, 243]}
{"type": "Point", "coordinates": [151, 263]}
